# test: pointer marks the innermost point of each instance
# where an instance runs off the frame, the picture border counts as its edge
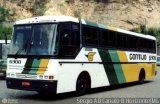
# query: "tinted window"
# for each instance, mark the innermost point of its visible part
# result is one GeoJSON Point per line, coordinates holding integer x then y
{"type": "Point", "coordinates": [112, 38]}
{"type": "Point", "coordinates": [120, 40]}
{"type": "Point", "coordinates": [104, 38]}
{"type": "Point", "coordinates": [132, 42]}
{"type": "Point", "coordinates": [126, 41]}
{"type": "Point", "coordinates": [90, 35]}
{"type": "Point", "coordinates": [70, 40]}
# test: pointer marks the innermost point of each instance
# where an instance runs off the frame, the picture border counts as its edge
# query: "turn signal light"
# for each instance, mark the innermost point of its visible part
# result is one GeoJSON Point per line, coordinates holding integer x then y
{"type": "Point", "coordinates": [51, 77]}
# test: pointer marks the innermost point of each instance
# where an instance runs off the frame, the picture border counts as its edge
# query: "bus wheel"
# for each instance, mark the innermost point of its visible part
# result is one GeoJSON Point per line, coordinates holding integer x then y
{"type": "Point", "coordinates": [83, 84]}
{"type": "Point", "coordinates": [141, 76]}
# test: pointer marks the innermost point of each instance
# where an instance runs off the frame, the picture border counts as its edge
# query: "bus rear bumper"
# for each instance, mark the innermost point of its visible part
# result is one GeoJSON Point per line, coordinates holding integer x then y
{"type": "Point", "coordinates": [32, 85]}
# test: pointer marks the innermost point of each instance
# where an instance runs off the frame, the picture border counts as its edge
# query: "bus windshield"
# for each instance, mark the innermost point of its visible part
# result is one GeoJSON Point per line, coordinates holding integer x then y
{"type": "Point", "coordinates": [38, 39]}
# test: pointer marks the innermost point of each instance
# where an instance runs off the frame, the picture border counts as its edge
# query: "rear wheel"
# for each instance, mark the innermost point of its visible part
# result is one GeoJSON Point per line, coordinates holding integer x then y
{"type": "Point", "coordinates": [83, 84]}
{"type": "Point", "coordinates": [142, 76]}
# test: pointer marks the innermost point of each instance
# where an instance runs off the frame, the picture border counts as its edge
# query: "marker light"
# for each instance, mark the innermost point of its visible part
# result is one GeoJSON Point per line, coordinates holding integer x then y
{"type": "Point", "coordinates": [51, 77]}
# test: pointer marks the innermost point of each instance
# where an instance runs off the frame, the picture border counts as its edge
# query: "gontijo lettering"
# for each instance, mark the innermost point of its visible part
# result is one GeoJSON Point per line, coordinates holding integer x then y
{"type": "Point", "coordinates": [137, 57]}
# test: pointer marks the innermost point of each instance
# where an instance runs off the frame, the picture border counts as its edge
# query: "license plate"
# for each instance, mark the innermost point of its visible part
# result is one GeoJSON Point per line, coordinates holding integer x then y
{"type": "Point", "coordinates": [25, 83]}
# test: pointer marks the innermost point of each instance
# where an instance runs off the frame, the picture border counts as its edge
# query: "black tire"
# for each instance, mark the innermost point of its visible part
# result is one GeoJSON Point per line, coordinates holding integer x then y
{"type": "Point", "coordinates": [82, 85]}
{"type": "Point", "coordinates": [141, 77]}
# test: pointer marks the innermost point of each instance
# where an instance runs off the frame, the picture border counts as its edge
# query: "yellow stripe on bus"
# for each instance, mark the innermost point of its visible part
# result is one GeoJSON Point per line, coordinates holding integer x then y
{"type": "Point", "coordinates": [42, 66]}
{"type": "Point", "coordinates": [130, 70]}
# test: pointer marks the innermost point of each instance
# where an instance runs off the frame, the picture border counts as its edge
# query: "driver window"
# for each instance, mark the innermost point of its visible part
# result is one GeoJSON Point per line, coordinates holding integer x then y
{"type": "Point", "coordinates": [69, 39]}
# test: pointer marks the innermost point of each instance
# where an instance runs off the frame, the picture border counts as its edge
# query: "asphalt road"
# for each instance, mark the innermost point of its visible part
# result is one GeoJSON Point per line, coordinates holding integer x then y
{"type": "Point", "coordinates": [150, 89]}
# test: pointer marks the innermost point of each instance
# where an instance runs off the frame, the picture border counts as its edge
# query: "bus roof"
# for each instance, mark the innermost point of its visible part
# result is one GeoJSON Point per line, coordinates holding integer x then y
{"type": "Point", "coordinates": [3, 41]}
{"type": "Point", "coordinates": [62, 18]}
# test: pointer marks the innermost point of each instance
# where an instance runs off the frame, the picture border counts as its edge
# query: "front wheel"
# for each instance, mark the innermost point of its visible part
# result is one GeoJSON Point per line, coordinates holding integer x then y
{"type": "Point", "coordinates": [81, 85]}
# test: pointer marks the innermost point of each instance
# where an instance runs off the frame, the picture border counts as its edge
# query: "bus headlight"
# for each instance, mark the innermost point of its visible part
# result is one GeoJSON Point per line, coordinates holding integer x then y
{"type": "Point", "coordinates": [40, 76]}
{"type": "Point", "coordinates": [46, 77]}
{"type": "Point", "coordinates": [12, 75]}
{"type": "Point", "coordinates": [8, 74]}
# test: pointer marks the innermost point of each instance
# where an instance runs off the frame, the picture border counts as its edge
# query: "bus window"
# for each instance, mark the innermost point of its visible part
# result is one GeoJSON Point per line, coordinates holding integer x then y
{"type": "Point", "coordinates": [41, 38]}
{"type": "Point", "coordinates": [104, 38]}
{"type": "Point", "coordinates": [126, 41]}
{"type": "Point", "coordinates": [20, 38]}
{"type": "Point", "coordinates": [153, 48]}
{"type": "Point", "coordinates": [150, 46]}
{"type": "Point", "coordinates": [112, 38]}
{"type": "Point", "coordinates": [90, 35]}
{"type": "Point", "coordinates": [70, 40]}
{"type": "Point", "coordinates": [120, 40]}
{"type": "Point", "coordinates": [132, 42]}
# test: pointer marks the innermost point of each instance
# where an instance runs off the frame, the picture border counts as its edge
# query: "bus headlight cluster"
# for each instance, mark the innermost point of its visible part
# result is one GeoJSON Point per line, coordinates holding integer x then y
{"type": "Point", "coordinates": [46, 77]}
{"type": "Point", "coordinates": [40, 76]}
{"type": "Point", "coordinates": [10, 75]}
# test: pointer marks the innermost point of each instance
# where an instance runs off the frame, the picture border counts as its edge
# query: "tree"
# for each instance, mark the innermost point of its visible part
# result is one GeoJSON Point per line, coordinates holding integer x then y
{"type": "Point", "coordinates": [4, 13]}
{"type": "Point", "coordinates": [7, 30]}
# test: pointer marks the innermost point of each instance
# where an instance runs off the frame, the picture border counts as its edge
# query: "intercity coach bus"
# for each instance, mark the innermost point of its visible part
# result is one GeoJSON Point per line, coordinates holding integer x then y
{"type": "Point", "coordinates": [61, 54]}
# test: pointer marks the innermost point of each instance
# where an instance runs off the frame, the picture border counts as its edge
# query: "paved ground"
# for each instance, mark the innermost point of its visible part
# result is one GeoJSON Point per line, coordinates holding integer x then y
{"type": "Point", "coordinates": [150, 89]}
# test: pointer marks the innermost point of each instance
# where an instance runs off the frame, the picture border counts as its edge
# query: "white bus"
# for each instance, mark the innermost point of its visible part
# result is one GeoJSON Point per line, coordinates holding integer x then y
{"type": "Point", "coordinates": [4, 48]}
{"type": "Point", "coordinates": [63, 54]}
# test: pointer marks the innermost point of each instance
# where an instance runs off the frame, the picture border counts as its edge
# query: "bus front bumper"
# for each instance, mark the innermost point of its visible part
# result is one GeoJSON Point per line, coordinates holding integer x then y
{"type": "Point", "coordinates": [32, 85]}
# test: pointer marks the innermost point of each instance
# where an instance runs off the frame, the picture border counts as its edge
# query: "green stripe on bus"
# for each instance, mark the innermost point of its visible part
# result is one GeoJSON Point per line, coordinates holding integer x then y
{"type": "Point", "coordinates": [117, 67]}
{"type": "Point", "coordinates": [109, 69]}
{"type": "Point", "coordinates": [27, 66]}
{"type": "Point", "coordinates": [95, 24]}
{"type": "Point", "coordinates": [91, 23]}
{"type": "Point", "coordinates": [35, 66]}
{"type": "Point", "coordinates": [102, 26]}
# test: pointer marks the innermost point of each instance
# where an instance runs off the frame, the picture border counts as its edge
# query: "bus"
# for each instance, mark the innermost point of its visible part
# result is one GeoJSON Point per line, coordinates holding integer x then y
{"type": "Point", "coordinates": [62, 54]}
{"type": "Point", "coordinates": [4, 48]}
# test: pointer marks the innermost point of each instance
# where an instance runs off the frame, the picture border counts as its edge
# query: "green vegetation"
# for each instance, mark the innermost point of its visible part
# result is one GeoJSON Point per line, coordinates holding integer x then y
{"type": "Point", "coordinates": [5, 30]}
{"type": "Point", "coordinates": [149, 31]}
{"type": "Point", "coordinates": [4, 13]}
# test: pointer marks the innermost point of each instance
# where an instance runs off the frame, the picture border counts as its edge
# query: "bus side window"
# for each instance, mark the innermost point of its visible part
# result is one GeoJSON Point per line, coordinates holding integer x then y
{"type": "Point", "coordinates": [120, 40]}
{"type": "Point", "coordinates": [111, 38]}
{"type": "Point", "coordinates": [69, 39]}
{"type": "Point", "coordinates": [104, 38]}
{"type": "Point", "coordinates": [90, 35]}
{"type": "Point", "coordinates": [132, 43]}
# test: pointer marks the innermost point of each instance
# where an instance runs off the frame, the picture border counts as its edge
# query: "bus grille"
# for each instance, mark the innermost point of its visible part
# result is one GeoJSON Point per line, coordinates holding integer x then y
{"type": "Point", "coordinates": [26, 76]}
